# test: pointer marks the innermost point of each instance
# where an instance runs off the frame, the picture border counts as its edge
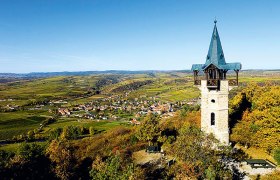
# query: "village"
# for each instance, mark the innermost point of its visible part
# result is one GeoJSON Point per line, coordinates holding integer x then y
{"type": "Point", "coordinates": [119, 108]}
{"type": "Point", "coordinates": [113, 107]}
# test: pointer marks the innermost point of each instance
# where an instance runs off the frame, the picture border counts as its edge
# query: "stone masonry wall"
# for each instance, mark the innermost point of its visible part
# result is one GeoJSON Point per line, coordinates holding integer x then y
{"type": "Point", "coordinates": [215, 101]}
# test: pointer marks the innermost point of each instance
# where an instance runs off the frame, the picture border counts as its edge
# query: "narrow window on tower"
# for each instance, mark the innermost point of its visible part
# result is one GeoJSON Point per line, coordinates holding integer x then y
{"type": "Point", "coordinates": [212, 119]}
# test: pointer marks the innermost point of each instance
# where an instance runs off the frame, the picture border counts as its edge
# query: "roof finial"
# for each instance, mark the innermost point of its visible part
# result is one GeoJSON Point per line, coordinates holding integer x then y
{"type": "Point", "coordinates": [215, 21]}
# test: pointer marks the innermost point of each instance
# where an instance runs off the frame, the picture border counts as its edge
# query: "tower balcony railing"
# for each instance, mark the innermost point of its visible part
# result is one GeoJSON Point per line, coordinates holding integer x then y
{"type": "Point", "coordinates": [197, 82]}
{"type": "Point", "coordinates": [232, 82]}
{"type": "Point", "coordinates": [215, 82]}
{"type": "Point", "coordinates": [210, 82]}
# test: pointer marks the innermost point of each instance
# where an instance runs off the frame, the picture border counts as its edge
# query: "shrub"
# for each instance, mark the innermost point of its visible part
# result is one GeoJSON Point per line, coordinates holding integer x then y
{"type": "Point", "coordinates": [30, 151]}
{"type": "Point", "coordinates": [91, 131]}
{"type": "Point", "coordinates": [4, 158]}
{"type": "Point", "coordinates": [113, 168]}
{"type": "Point", "coordinates": [20, 137]}
{"type": "Point", "coordinates": [30, 135]}
{"type": "Point", "coordinates": [62, 155]}
{"type": "Point", "coordinates": [54, 134]}
{"type": "Point", "coordinates": [149, 129]}
{"type": "Point", "coordinates": [70, 132]}
{"type": "Point", "coordinates": [29, 163]}
{"type": "Point", "coordinates": [48, 121]}
{"type": "Point", "coordinates": [83, 130]}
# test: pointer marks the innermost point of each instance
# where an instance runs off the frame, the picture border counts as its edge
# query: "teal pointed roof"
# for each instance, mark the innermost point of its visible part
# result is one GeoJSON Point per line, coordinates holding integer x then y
{"type": "Point", "coordinates": [215, 55]}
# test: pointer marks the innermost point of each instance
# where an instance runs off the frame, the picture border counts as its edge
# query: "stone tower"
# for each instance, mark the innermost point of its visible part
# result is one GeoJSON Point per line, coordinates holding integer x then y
{"type": "Point", "coordinates": [211, 78]}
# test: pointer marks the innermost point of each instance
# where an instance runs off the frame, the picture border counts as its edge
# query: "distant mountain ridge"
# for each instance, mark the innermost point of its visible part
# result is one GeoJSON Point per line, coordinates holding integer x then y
{"type": "Point", "coordinates": [85, 73]}
{"type": "Point", "coordinates": [82, 73]}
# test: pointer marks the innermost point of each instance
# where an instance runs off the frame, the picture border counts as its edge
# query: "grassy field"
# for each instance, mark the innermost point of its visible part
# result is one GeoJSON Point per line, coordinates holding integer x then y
{"type": "Point", "coordinates": [14, 147]}
{"type": "Point", "coordinates": [98, 125]}
{"type": "Point", "coordinates": [16, 123]}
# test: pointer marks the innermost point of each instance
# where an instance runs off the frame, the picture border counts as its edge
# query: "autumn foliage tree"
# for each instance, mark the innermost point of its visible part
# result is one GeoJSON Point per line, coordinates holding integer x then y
{"type": "Point", "coordinates": [149, 129]}
{"type": "Point", "coordinates": [260, 124]}
{"type": "Point", "coordinates": [29, 162]}
{"type": "Point", "coordinates": [114, 168]}
{"type": "Point", "coordinates": [70, 132]}
{"type": "Point", "coordinates": [62, 156]}
{"type": "Point", "coordinates": [197, 156]}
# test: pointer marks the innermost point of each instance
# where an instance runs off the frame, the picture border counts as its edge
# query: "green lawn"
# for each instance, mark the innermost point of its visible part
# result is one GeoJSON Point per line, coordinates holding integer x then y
{"type": "Point", "coordinates": [83, 122]}
{"type": "Point", "coordinates": [102, 125]}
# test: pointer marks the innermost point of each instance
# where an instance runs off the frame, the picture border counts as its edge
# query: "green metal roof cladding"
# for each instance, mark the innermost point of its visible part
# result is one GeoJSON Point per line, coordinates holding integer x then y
{"type": "Point", "coordinates": [215, 55]}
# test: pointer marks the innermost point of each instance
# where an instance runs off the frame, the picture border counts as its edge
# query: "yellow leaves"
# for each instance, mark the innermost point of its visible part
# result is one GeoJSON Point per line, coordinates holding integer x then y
{"type": "Point", "coordinates": [236, 100]}
{"type": "Point", "coordinates": [268, 98]}
{"type": "Point", "coordinates": [241, 133]}
{"type": "Point", "coordinates": [98, 164]}
{"type": "Point", "coordinates": [60, 153]}
{"type": "Point", "coordinates": [260, 126]}
{"type": "Point", "coordinates": [251, 90]}
{"type": "Point", "coordinates": [17, 160]}
{"type": "Point", "coordinates": [245, 116]}
{"type": "Point", "coordinates": [149, 129]}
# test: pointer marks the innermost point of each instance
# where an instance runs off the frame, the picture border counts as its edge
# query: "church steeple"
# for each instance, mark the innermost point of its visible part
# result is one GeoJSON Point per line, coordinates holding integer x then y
{"type": "Point", "coordinates": [215, 53]}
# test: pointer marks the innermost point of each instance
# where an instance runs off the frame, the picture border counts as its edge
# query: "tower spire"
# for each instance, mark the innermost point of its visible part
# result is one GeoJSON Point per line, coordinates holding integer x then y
{"type": "Point", "coordinates": [215, 53]}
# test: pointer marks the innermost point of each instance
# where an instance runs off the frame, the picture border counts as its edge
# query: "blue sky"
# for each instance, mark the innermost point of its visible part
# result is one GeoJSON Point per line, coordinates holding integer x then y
{"type": "Point", "coordinates": [66, 35]}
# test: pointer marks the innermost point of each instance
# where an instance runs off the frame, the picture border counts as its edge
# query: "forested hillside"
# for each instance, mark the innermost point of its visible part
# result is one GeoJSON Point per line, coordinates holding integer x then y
{"type": "Point", "coordinates": [258, 109]}
{"type": "Point", "coordinates": [110, 155]}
